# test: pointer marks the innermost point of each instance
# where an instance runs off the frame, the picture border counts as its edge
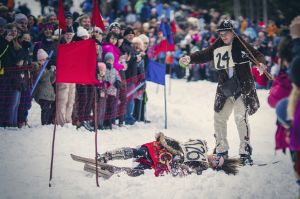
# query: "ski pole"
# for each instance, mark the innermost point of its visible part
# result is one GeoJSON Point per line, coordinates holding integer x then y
{"type": "Point", "coordinates": [41, 72]}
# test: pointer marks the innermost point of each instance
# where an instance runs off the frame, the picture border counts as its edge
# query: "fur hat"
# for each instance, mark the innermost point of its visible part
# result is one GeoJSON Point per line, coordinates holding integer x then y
{"type": "Point", "coordinates": [171, 145]}
{"type": "Point", "coordinates": [41, 54]}
{"type": "Point", "coordinates": [82, 32]}
{"type": "Point", "coordinates": [109, 56]}
{"type": "Point", "coordinates": [225, 25]}
{"type": "Point", "coordinates": [295, 27]}
{"type": "Point", "coordinates": [128, 31]}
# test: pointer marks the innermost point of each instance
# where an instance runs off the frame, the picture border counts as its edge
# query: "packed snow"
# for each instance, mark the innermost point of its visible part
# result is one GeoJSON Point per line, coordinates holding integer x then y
{"type": "Point", "coordinates": [25, 154]}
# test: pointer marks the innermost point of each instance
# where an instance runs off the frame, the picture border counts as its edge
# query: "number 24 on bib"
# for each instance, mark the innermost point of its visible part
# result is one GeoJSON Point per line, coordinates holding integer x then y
{"type": "Point", "coordinates": [223, 58]}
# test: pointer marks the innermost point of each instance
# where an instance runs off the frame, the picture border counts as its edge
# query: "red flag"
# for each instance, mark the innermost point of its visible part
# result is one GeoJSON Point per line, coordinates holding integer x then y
{"type": "Point", "coordinates": [96, 19]}
{"type": "Point", "coordinates": [163, 46]}
{"type": "Point", "coordinates": [173, 26]}
{"type": "Point", "coordinates": [61, 16]}
{"type": "Point", "coordinates": [76, 62]}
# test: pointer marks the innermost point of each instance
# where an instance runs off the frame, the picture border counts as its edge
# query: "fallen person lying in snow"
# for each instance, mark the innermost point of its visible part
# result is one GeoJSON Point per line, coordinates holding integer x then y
{"type": "Point", "coordinates": [166, 155]}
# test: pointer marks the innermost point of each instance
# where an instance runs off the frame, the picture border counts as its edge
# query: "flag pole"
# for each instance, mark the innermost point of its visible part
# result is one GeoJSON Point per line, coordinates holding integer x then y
{"type": "Point", "coordinates": [95, 2]}
{"type": "Point", "coordinates": [165, 91]}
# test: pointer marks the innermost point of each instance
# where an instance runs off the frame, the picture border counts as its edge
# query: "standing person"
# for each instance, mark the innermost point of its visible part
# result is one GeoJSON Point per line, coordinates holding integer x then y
{"type": "Point", "coordinates": [236, 87]}
{"type": "Point", "coordinates": [101, 94]}
{"type": "Point", "coordinates": [65, 91]}
{"type": "Point", "coordinates": [130, 73]}
{"type": "Point", "coordinates": [115, 82]}
{"type": "Point", "coordinates": [44, 93]}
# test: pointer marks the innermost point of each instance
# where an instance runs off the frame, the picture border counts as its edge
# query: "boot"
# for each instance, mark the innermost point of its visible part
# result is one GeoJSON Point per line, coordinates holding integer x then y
{"type": "Point", "coordinates": [245, 159]}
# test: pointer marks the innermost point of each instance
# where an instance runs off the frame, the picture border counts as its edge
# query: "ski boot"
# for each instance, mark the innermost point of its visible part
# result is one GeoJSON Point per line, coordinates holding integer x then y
{"type": "Point", "coordinates": [122, 153]}
{"type": "Point", "coordinates": [223, 154]}
{"type": "Point", "coordinates": [245, 159]}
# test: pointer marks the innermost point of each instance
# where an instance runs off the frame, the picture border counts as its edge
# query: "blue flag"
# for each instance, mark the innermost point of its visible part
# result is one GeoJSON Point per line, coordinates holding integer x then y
{"type": "Point", "coordinates": [165, 28]}
{"type": "Point", "coordinates": [156, 72]}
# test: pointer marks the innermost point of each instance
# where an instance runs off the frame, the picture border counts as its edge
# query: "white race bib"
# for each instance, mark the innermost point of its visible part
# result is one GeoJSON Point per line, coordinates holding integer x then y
{"type": "Point", "coordinates": [223, 57]}
{"type": "Point", "coordinates": [195, 150]}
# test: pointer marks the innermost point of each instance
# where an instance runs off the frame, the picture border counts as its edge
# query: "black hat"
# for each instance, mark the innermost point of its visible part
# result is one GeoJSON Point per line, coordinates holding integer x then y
{"type": "Point", "coordinates": [225, 25]}
{"type": "Point", "coordinates": [295, 71]}
{"type": "Point", "coordinates": [68, 15]}
{"type": "Point", "coordinates": [69, 30]}
{"type": "Point", "coordinates": [128, 31]}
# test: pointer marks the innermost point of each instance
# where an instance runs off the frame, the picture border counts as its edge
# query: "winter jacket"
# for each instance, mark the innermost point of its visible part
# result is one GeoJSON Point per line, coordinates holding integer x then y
{"type": "Point", "coordinates": [243, 72]}
{"type": "Point", "coordinates": [9, 60]}
{"type": "Point", "coordinates": [44, 89]}
{"type": "Point", "coordinates": [132, 64]}
{"type": "Point", "coordinates": [281, 88]}
{"type": "Point", "coordinates": [108, 47]}
{"type": "Point", "coordinates": [112, 76]}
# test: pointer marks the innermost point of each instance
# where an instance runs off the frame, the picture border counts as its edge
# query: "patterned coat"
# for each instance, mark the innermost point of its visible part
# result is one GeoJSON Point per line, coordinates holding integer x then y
{"type": "Point", "coordinates": [243, 71]}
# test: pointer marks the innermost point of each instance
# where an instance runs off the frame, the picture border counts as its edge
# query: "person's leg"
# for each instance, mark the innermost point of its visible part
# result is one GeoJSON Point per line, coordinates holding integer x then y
{"type": "Point", "coordinates": [14, 101]}
{"type": "Point", "coordinates": [220, 125]}
{"type": "Point", "coordinates": [70, 102]}
{"type": "Point", "coordinates": [123, 153]}
{"type": "Point", "coordinates": [243, 127]}
{"type": "Point", "coordinates": [62, 98]}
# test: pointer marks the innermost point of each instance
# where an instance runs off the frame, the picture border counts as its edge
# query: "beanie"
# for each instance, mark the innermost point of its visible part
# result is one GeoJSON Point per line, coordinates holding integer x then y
{"type": "Point", "coordinates": [109, 56]}
{"type": "Point", "coordinates": [128, 31]}
{"type": "Point", "coordinates": [20, 17]}
{"type": "Point", "coordinates": [101, 66]}
{"type": "Point", "coordinates": [41, 54]}
{"type": "Point", "coordinates": [82, 32]}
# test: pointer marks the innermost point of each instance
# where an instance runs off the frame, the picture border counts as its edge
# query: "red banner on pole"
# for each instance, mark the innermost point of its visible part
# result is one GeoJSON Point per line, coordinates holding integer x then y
{"type": "Point", "coordinates": [76, 62]}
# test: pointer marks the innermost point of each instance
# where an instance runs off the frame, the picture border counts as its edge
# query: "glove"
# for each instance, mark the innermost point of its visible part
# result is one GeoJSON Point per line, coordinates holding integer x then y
{"type": "Point", "coordinates": [261, 68]}
{"type": "Point", "coordinates": [117, 84]}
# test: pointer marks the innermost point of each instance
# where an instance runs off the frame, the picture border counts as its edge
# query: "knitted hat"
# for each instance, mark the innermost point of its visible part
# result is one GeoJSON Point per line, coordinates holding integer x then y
{"type": "Point", "coordinates": [20, 17]}
{"type": "Point", "coordinates": [97, 29]}
{"type": "Point", "coordinates": [41, 54]}
{"type": "Point", "coordinates": [295, 71]}
{"type": "Point", "coordinates": [128, 31]}
{"type": "Point", "coordinates": [295, 27]}
{"type": "Point", "coordinates": [3, 22]}
{"type": "Point", "coordinates": [225, 25]}
{"type": "Point", "coordinates": [113, 25]}
{"type": "Point", "coordinates": [82, 32]}
{"type": "Point", "coordinates": [109, 56]}
{"type": "Point", "coordinates": [101, 66]}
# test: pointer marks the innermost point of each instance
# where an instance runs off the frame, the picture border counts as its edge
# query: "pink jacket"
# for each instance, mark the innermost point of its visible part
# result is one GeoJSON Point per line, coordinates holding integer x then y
{"type": "Point", "coordinates": [108, 47]}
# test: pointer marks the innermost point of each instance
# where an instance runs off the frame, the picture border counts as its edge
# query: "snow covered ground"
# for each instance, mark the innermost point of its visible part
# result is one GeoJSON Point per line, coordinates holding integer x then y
{"type": "Point", "coordinates": [25, 154]}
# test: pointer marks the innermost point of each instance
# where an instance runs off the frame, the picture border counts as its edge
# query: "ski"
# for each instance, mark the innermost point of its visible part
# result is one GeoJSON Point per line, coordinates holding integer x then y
{"type": "Point", "coordinates": [104, 166]}
{"type": "Point", "coordinates": [265, 164]}
{"type": "Point", "coordinates": [101, 172]}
